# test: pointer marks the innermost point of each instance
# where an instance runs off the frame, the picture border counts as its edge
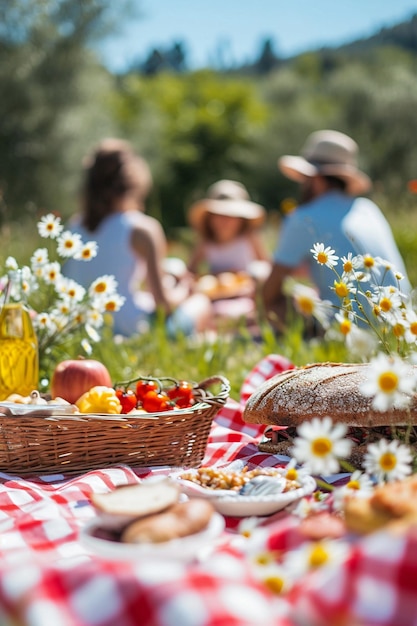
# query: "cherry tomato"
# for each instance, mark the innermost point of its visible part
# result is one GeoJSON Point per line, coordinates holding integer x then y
{"type": "Point", "coordinates": [143, 386]}
{"type": "Point", "coordinates": [127, 399]}
{"type": "Point", "coordinates": [182, 394]}
{"type": "Point", "coordinates": [154, 401]}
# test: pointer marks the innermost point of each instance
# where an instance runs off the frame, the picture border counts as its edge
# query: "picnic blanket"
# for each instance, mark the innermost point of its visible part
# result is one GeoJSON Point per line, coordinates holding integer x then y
{"type": "Point", "coordinates": [48, 577]}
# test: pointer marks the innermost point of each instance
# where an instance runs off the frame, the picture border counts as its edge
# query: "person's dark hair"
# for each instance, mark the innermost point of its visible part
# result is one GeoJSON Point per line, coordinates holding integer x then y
{"type": "Point", "coordinates": [112, 171]}
{"type": "Point", "coordinates": [336, 183]}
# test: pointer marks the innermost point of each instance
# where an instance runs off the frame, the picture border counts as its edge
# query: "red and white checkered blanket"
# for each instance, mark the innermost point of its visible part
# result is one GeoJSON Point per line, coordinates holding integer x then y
{"type": "Point", "coordinates": [48, 578]}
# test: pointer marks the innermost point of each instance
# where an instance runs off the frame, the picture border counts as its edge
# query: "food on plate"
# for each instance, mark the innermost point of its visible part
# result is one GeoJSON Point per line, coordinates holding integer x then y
{"type": "Point", "coordinates": [319, 390]}
{"type": "Point", "coordinates": [225, 285]}
{"type": "Point", "coordinates": [392, 504]}
{"type": "Point", "coordinates": [138, 500]}
{"type": "Point", "coordinates": [99, 399]}
{"type": "Point", "coordinates": [150, 512]}
{"type": "Point", "coordinates": [73, 377]}
{"type": "Point", "coordinates": [179, 520]}
{"type": "Point", "coordinates": [234, 480]}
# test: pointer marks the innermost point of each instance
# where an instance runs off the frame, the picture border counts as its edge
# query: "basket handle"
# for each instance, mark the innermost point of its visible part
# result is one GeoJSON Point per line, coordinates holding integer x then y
{"type": "Point", "coordinates": [221, 398]}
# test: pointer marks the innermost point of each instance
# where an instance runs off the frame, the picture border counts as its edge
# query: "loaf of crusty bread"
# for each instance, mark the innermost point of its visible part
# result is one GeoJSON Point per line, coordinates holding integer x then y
{"type": "Point", "coordinates": [319, 390]}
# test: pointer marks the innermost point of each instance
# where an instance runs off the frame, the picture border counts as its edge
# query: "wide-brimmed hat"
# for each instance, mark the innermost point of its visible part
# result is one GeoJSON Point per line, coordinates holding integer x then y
{"type": "Point", "coordinates": [327, 153]}
{"type": "Point", "coordinates": [226, 197]}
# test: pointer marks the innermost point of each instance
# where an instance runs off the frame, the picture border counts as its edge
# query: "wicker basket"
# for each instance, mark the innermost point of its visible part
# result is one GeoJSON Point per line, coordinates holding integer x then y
{"type": "Point", "coordinates": [34, 444]}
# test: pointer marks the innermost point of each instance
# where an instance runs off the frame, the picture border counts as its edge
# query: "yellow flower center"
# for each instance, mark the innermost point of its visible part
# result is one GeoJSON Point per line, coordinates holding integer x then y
{"type": "Point", "coordinates": [264, 558]}
{"type": "Point", "coordinates": [69, 244]}
{"type": "Point", "coordinates": [110, 306]}
{"type": "Point", "coordinates": [345, 327]}
{"type": "Point", "coordinates": [388, 382]}
{"type": "Point", "coordinates": [318, 556]}
{"type": "Point", "coordinates": [305, 305]}
{"type": "Point", "coordinates": [291, 474]}
{"type": "Point", "coordinates": [86, 254]}
{"type": "Point", "coordinates": [321, 446]}
{"type": "Point", "coordinates": [322, 258]}
{"type": "Point", "coordinates": [100, 287]}
{"type": "Point", "coordinates": [341, 289]}
{"type": "Point", "coordinates": [413, 328]}
{"type": "Point", "coordinates": [398, 330]}
{"type": "Point", "coordinates": [275, 584]}
{"type": "Point", "coordinates": [368, 261]}
{"type": "Point", "coordinates": [348, 267]}
{"type": "Point", "coordinates": [388, 461]}
{"type": "Point", "coordinates": [353, 484]}
{"type": "Point", "coordinates": [385, 304]}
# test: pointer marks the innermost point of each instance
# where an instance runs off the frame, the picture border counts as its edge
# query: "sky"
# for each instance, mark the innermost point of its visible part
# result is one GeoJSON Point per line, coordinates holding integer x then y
{"type": "Point", "coordinates": [233, 30]}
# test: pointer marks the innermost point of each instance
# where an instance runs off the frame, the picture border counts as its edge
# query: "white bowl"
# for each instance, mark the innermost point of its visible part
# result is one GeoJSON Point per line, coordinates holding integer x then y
{"type": "Point", "coordinates": [233, 504]}
{"type": "Point", "coordinates": [184, 549]}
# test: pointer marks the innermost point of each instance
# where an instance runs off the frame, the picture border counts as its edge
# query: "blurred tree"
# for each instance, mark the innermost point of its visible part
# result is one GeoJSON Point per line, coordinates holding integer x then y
{"type": "Point", "coordinates": [267, 60]}
{"type": "Point", "coordinates": [193, 129]}
{"type": "Point", "coordinates": [44, 62]}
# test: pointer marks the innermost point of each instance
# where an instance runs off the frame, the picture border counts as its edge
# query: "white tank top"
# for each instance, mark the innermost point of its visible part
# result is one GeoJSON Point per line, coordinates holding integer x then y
{"type": "Point", "coordinates": [115, 256]}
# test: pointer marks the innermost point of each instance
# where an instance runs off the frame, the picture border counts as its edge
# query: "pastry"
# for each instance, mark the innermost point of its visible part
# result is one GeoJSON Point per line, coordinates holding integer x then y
{"type": "Point", "coordinates": [179, 520]}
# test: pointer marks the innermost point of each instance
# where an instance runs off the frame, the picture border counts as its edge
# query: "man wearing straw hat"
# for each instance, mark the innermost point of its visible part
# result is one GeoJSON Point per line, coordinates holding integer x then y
{"type": "Point", "coordinates": [331, 212]}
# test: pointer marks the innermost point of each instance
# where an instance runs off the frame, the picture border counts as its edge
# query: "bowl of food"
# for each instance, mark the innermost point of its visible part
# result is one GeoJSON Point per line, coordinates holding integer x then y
{"type": "Point", "coordinates": [241, 493]}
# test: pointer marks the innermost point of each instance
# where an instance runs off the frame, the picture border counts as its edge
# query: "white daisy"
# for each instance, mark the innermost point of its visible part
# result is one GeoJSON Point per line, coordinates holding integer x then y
{"type": "Point", "coordinates": [324, 256]}
{"type": "Point", "coordinates": [410, 317]}
{"type": "Point", "coordinates": [51, 272]}
{"type": "Point", "coordinates": [361, 342]}
{"type": "Point", "coordinates": [114, 303]}
{"type": "Point", "coordinates": [11, 263]}
{"type": "Point", "coordinates": [39, 258]}
{"type": "Point", "coordinates": [94, 318]}
{"type": "Point", "coordinates": [87, 251]}
{"type": "Point", "coordinates": [320, 444]}
{"type": "Point", "coordinates": [69, 244]}
{"type": "Point", "coordinates": [103, 286]}
{"type": "Point", "coordinates": [390, 382]}
{"type": "Point", "coordinates": [308, 303]}
{"type": "Point", "coordinates": [343, 288]}
{"type": "Point", "coordinates": [387, 299]}
{"type": "Point", "coordinates": [50, 226]}
{"type": "Point", "coordinates": [359, 485]}
{"type": "Point", "coordinates": [312, 555]}
{"type": "Point", "coordinates": [43, 321]}
{"type": "Point", "coordinates": [388, 461]}
{"type": "Point", "coordinates": [86, 346]}
{"type": "Point", "coordinates": [350, 263]}
{"type": "Point", "coordinates": [273, 575]}
{"type": "Point", "coordinates": [70, 289]}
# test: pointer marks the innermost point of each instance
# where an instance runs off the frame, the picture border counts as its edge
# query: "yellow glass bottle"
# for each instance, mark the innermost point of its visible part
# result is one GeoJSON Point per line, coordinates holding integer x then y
{"type": "Point", "coordinates": [19, 359]}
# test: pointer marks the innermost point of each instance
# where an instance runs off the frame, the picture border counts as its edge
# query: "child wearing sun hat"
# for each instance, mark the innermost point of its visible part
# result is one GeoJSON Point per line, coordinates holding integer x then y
{"type": "Point", "coordinates": [227, 225]}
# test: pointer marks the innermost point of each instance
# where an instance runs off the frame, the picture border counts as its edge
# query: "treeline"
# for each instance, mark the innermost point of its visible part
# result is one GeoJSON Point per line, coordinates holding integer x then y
{"type": "Point", "coordinates": [193, 127]}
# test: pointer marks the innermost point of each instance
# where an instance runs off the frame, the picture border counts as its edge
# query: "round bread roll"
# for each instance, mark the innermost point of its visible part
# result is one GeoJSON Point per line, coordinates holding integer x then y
{"type": "Point", "coordinates": [180, 520]}
{"type": "Point", "coordinates": [150, 496]}
{"type": "Point", "coordinates": [319, 390]}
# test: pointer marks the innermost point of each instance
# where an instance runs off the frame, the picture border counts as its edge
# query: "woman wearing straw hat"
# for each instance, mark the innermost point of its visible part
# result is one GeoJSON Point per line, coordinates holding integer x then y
{"type": "Point", "coordinates": [227, 223]}
{"type": "Point", "coordinates": [331, 212]}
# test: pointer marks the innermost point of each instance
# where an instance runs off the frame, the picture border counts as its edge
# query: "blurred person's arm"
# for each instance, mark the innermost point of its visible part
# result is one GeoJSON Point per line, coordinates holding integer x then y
{"type": "Point", "coordinates": [258, 247]}
{"type": "Point", "coordinates": [274, 301]}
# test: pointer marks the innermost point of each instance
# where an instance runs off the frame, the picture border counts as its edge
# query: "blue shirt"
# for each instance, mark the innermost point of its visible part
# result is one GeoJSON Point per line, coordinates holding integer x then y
{"type": "Point", "coordinates": [345, 224]}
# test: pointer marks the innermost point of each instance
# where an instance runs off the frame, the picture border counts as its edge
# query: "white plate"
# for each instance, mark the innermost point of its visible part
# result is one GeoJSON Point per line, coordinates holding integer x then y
{"type": "Point", "coordinates": [184, 549]}
{"type": "Point", "coordinates": [231, 503]}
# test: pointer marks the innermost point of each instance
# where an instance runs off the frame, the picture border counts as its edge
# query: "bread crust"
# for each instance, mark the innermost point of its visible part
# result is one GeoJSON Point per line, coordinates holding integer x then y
{"type": "Point", "coordinates": [179, 520]}
{"type": "Point", "coordinates": [319, 390]}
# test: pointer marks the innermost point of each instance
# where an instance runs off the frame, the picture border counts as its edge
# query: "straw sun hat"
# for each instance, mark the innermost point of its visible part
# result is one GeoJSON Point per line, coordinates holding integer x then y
{"type": "Point", "coordinates": [328, 153]}
{"type": "Point", "coordinates": [226, 197]}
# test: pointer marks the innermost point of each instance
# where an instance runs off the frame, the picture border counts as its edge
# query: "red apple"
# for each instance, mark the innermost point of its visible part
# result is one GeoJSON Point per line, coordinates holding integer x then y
{"type": "Point", "coordinates": [74, 377]}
